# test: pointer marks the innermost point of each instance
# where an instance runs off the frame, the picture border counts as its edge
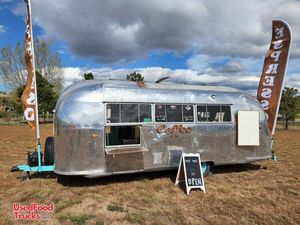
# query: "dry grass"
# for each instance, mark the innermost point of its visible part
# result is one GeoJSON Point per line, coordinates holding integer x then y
{"type": "Point", "coordinates": [266, 192]}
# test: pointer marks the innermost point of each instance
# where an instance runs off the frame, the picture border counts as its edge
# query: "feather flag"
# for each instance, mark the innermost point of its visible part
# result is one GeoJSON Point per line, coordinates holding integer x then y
{"type": "Point", "coordinates": [28, 98]}
{"type": "Point", "coordinates": [271, 81]}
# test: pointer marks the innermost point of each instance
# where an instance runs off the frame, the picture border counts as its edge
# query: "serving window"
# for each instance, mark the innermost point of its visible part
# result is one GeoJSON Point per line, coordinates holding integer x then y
{"type": "Point", "coordinates": [214, 113]}
{"type": "Point", "coordinates": [122, 135]}
{"type": "Point", "coordinates": [123, 128]}
{"type": "Point", "coordinates": [174, 113]}
{"type": "Point", "coordinates": [128, 113]}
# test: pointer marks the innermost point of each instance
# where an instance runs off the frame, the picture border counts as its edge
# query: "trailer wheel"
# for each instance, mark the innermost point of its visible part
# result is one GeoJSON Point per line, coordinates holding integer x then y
{"type": "Point", "coordinates": [49, 151]}
{"type": "Point", "coordinates": [205, 167]}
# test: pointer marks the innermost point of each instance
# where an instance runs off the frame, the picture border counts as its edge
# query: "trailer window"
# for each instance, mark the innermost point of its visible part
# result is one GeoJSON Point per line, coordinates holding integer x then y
{"type": "Point", "coordinates": [227, 113]}
{"type": "Point", "coordinates": [160, 113]}
{"type": "Point", "coordinates": [213, 113]}
{"type": "Point", "coordinates": [122, 135]}
{"type": "Point", "coordinates": [113, 113]}
{"type": "Point", "coordinates": [145, 113]}
{"type": "Point", "coordinates": [188, 113]}
{"type": "Point", "coordinates": [128, 113]}
{"type": "Point", "coordinates": [202, 113]}
{"type": "Point", "coordinates": [174, 113]}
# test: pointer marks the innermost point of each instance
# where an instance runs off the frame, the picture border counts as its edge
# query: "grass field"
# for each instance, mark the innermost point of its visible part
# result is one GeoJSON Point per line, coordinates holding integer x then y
{"type": "Point", "coordinates": [264, 192]}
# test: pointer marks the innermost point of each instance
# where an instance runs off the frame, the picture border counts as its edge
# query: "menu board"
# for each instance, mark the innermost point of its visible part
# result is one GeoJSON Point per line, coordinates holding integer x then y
{"type": "Point", "coordinates": [190, 171]}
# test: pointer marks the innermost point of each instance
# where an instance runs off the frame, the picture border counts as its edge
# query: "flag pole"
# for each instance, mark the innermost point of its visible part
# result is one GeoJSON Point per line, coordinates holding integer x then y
{"type": "Point", "coordinates": [34, 79]}
{"type": "Point", "coordinates": [37, 124]}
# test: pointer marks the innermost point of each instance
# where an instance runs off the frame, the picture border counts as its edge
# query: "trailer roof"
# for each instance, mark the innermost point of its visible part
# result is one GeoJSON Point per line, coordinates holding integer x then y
{"type": "Point", "coordinates": [166, 85]}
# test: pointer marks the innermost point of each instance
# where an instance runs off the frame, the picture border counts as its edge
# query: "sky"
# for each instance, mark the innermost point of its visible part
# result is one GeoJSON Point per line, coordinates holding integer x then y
{"type": "Point", "coordinates": [214, 42]}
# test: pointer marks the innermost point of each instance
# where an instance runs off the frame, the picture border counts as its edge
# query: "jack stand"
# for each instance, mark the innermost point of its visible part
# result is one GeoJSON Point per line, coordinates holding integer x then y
{"type": "Point", "coordinates": [27, 175]}
{"type": "Point", "coordinates": [274, 157]}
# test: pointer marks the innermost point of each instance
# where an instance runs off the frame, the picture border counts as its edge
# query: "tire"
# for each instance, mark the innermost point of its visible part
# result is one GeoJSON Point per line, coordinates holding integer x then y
{"type": "Point", "coordinates": [205, 167]}
{"type": "Point", "coordinates": [49, 151]}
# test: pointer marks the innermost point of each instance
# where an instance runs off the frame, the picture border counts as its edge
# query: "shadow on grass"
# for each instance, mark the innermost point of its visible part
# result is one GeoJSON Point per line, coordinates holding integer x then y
{"type": "Point", "coordinates": [78, 181]}
{"type": "Point", "coordinates": [36, 175]}
{"type": "Point", "coordinates": [45, 175]}
{"type": "Point", "coordinates": [238, 168]}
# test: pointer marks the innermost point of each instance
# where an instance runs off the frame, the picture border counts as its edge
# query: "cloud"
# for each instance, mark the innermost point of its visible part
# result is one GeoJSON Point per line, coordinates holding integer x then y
{"type": "Point", "coordinates": [246, 82]}
{"type": "Point", "coordinates": [2, 29]}
{"type": "Point", "coordinates": [243, 74]}
{"type": "Point", "coordinates": [227, 41]}
{"type": "Point", "coordinates": [121, 31]}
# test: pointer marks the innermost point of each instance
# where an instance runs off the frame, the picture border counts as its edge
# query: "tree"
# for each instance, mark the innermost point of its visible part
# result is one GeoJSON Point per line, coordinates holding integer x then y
{"type": "Point", "coordinates": [13, 68]}
{"type": "Point", "coordinates": [47, 98]}
{"type": "Point", "coordinates": [288, 105]}
{"type": "Point", "coordinates": [48, 64]}
{"type": "Point", "coordinates": [88, 76]}
{"type": "Point", "coordinates": [135, 77]}
{"type": "Point", "coordinates": [298, 103]}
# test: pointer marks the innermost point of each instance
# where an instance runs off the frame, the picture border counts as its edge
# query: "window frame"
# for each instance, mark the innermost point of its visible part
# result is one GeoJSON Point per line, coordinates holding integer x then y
{"type": "Point", "coordinates": [120, 146]}
{"type": "Point", "coordinates": [214, 122]}
{"type": "Point", "coordinates": [168, 122]}
{"type": "Point", "coordinates": [120, 117]}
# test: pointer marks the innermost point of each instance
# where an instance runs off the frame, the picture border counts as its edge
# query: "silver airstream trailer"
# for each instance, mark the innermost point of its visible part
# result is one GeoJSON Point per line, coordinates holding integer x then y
{"type": "Point", "coordinates": [112, 127]}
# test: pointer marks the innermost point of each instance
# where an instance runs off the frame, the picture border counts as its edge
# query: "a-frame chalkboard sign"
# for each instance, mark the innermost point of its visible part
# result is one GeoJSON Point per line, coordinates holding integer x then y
{"type": "Point", "coordinates": [190, 171]}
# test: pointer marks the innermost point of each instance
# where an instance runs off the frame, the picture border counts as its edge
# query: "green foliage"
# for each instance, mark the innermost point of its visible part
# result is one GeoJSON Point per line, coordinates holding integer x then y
{"type": "Point", "coordinates": [80, 219]}
{"type": "Point", "coordinates": [11, 102]}
{"type": "Point", "coordinates": [134, 218]}
{"type": "Point", "coordinates": [288, 105]}
{"type": "Point", "coordinates": [88, 76]}
{"type": "Point", "coordinates": [135, 77]}
{"type": "Point", "coordinates": [115, 207]}
{"type": "Point", "coordinates": [65, 204]}
{"type": "Point", "coordinates": [298, 104]}
{"type": "Point", "coordinates": [47, 98]}
{"type": "Point", "coordinates": [17, 99]}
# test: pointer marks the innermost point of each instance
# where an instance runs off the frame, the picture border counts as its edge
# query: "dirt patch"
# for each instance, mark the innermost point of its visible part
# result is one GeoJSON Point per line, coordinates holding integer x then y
{"type": "Point", "coordinates": [264, 192]}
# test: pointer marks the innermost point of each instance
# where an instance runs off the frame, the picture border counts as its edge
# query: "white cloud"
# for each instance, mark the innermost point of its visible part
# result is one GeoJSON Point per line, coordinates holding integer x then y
{"type": "Point", "coordinates": [121, 31]}
{"type": "Point", "coordinates": [2, 29]}
{"type": "Point", "coordinates": [228, 40]}
{"type": "Point", "coordinates": [243, 80]}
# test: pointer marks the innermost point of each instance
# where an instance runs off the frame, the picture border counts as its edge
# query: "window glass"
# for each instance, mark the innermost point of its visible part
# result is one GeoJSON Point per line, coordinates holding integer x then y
{"type": "Point", "coordinates": [160, 113]}
{"type": "Point", "coordinates": [202, 113]}
{"type": "Point", "coordinates": [122, 135]}
{"type": "Point", "coordinates": [226, 113]}
{"type": "Point", "coordinates": [174, 113]}
{"type": "Point", "coordinates": [188, 113]}
{"type": "Point", "coordinates": [113, 113]}
{"type": "Point", "coordinates": [129, 113]}
{"type": "Point", "coordinates": [215, 114]}
{"type": "Point", "coordinates": [145, 113]}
